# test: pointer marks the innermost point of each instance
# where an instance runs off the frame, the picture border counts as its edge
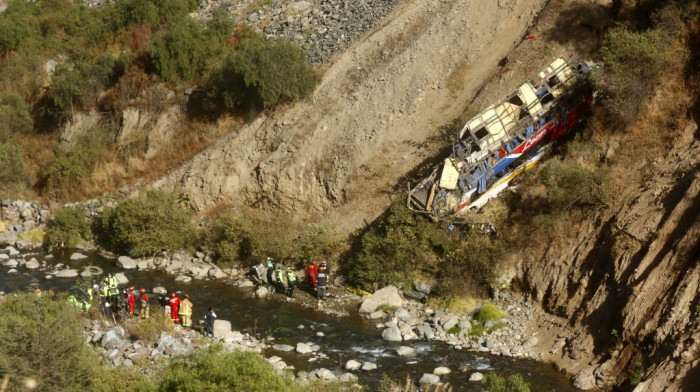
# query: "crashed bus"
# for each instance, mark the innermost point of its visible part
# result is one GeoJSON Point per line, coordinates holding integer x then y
{"type": "Point", "coordinates": [504, 140]}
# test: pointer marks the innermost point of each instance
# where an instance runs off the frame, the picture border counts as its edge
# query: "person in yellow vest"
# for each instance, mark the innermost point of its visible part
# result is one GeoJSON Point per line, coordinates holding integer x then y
{"type": "Point", "coordinates": [186, 312]}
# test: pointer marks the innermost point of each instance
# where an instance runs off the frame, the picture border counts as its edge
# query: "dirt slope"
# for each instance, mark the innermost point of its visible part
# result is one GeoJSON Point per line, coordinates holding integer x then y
{"type": "Point", "coordinates": [369, 122]}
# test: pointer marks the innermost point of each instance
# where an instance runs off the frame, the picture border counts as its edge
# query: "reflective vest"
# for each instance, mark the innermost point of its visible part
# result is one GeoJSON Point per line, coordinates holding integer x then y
{"type": "Point", "coordinates": [291, 278]}
{"type": "Point", "coordinates": [105, 290]}
{"type": "Point", "coordinates": [269, 263]}
{"type": "Point", "coordinates": [73, 301]}
{"type": "Point", "coordinates": [111, 282]}
{"type": "Point", "coordinates": [89, 294]}
{"type": "Point", "coordinates": [280, 276]}
{"type": "Point", "coordinates": [186, 307]}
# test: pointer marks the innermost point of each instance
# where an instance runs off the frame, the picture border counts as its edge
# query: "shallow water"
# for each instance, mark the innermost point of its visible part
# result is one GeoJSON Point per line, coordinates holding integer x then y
{"type": "Point", "coordinates": [345, 338]}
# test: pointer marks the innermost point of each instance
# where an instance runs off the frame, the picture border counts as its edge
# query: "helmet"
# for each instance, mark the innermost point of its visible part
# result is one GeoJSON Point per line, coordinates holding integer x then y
{"type": "Point", "coordinates": [289, 268]}
{"type": "Point", "coordinates": [142, 290]}
{"type": "Point", "coordinates": [313, 261]}
{"type": "Point", "coordinates": [94, 286]}
{"type": "Point", "coordinates": [269, 258]}
{"type": "Point", "coordinates": [323, 262]}
{"type": "Point", "coordinates": [172, 295]}
{"type": "Point", "coordinates": [187, 295]}
{"type": "Point", "coordinates": [131, 287]}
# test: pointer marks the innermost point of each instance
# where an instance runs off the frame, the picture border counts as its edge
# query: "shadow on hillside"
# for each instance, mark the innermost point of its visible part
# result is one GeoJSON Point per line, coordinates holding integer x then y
{"type": "Point", "coordinates": [581, 26]}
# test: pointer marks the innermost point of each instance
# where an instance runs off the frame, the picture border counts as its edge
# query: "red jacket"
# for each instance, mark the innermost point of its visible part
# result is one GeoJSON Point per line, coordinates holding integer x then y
{"type": "Point", "coordinates": [130, 298]}
{"type": "Point", "coordinates": [175, 304]}
{"type": "Point", "coordinates": [312, 270]}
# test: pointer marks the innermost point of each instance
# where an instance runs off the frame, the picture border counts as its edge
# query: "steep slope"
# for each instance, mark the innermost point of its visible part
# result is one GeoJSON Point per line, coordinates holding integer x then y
{"type": "Point", "coordinates": [369, 122]}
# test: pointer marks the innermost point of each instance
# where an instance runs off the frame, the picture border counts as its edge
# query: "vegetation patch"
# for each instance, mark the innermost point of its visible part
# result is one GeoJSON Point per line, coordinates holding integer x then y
{"type": "Point", "coordinates": [497, 383]}
{"type": "Point", "coordinates": [388, 308]}
{"type": "Point", "coordinates": [33, 236]}
{"type": "Point", "coordinates": [146, 225]}
{"type": "Point", "coordinates": [149, 330]}
{"type": "Point", "coordinates": [13, 169]}
{"type": "Point", "coordinates": [490, 312]}
{"type": "Point", "coordinates": [69, 227]}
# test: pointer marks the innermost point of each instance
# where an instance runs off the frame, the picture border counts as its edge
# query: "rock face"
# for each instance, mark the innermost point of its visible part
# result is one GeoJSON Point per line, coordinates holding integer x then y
{"type": "Point", "coordinates": [126, 262]}
{"type": "Point", "coordinates": [389, 295]}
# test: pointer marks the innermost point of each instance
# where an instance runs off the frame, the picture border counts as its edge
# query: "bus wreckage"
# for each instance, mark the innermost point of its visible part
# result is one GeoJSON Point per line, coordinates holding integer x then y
{"type": "Point", "coordinates": [504, 140]}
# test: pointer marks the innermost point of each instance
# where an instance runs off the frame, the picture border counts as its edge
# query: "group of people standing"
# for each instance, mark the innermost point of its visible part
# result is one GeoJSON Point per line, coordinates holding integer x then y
{"type": "Point", "coordinates": [317, 277]}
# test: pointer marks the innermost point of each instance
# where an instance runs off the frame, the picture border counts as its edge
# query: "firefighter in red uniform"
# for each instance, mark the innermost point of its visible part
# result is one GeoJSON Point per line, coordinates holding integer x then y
{"type": "Point", "coordinates": [175, 308]}
{"type": "Point", "coordinates": [131, 300]}
{"type": "Point", "coordinates": [312, 272]}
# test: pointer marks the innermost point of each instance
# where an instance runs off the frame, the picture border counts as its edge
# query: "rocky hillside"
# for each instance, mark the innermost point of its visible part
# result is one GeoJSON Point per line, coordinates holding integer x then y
{"type": "Point", "coordinates": [373, 118]}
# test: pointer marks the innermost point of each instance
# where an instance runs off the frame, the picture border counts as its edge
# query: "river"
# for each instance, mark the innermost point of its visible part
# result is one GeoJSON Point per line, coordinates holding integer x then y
{"type": "Point", "coordinates": [351, 337]}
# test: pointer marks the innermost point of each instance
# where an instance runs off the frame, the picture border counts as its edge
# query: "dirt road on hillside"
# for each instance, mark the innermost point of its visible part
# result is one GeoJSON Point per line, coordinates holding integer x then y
{"type": "Point", "coordinates": [374, 117]}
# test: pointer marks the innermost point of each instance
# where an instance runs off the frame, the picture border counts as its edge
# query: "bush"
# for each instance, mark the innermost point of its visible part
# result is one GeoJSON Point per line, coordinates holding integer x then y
{"type": "Point", "coordinates": [633, 63]}
{"type": "Point", "coordinates": [146, 225]}
{"type": "Point", "coordinates": [68, 229]}
{"type": "Point", "coordinates": [149, 330]}
{"type": "Point", "coordinates": [263, 72]}
{"type": "Point", "coordinates": [13, 169]}
{"type": "Point", "coordinates": [569, 183]}
{"type": "Point", "coordinates": [42, 339]}
{"type": "Point", "coordinates": [490, 312]}
{"type": "Point", "coordinates": [248, 238]}
{"type": "Point", "coordinates": [496, 383]}
{"type": "Point", "coordinates": [15, 115]}
{"type": "Point", "coordinates": [469, 268]}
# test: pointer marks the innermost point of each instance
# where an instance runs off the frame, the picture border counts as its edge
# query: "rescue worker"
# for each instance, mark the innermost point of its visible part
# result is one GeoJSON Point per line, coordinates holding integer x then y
{"type": "Point", "coordinates": [73, 301]}
{"type": "Point", "coordinates": [291, 282]}
{"type": "Point", "coordinates": [312, 272]}
{"type": "Point", "coordinates": [186, 311]}
{"type": "Point", "coordinates": [175, 308]}
{"type": "Point", "coordinates": [270, 270]}
{"type": "Point", "coordinates": [104, 292]}
{"type": "Point", "coordinates": [280, 280]}
{"type": "Point", "coordinates": [91, 291]}
{"type": "Point", "coordinates": [322, 280]}
{"type": "Point", "coordinates": [114, 297]}
{"type": "Point", "coordinates": [110, 281]}
{"type": "Point", "coordinates": [130, 301]}
{"type": "Point", "coordinates": [144, 307]}
{"type": "Point", "coordinates": [165, 302]}
{"type": "Point", "coordinates": [210, 317]}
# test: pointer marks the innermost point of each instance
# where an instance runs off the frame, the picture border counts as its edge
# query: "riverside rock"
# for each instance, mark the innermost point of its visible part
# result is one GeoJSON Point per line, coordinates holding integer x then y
{"type": "Point", "coordinates": [429, 379]}
{"type": "Point", "coordinates": [283, 347]}
{"type": "Point", "coordinates": [303, 348]}
{"type": "Point", "coordinates": [77, 256]}
{"type": "Point", "coordinates": [67, 273]}
{"type": "Point", "coordinates": [476, 376]}
{"type": "Point", "coordinates": [441, 371]}
{"type": "Point", "coordinates": [367, 366]}
{"type": "Point", "coordinates": [125, 262]}
{"type": "Point", "coordinates": [121, 278]}
{"type": "Point", "coordinates": [405, 351]}
{"type": "Point", "coordinates": [392, 334]}
{"type": "Point", "coordinates": [31, 264]}
{"type": "Point", "coordinates": [221, 328]}
{"type": "Point", "coordinates": [352, 365]}
{"type": "Point", "coordinates": [389, 295]}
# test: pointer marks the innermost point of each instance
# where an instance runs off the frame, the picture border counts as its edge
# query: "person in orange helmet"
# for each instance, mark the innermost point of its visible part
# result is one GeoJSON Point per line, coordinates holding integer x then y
{"type": "Point", "coordinates": [130, 300]}
{"type": "Point", "coordinates": [144, 307]}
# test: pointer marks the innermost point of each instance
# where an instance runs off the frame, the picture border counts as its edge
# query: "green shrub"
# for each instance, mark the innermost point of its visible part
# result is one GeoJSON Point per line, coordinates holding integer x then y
{"type": "Point", "coordinates": [15, 115]}
{"type": "Point", "coordinates": [469, 267]}
{"type": "Point", "coordinates": [151, 12]}
{"type": "Point", "coordinates": [146, 225]}
{"type": "Point", "coordinates": [215, 370]}
{"type": "Point", "coordinates": [42, 339]}
{"type": "Point", "coordinates": [249, 237]}
{"type": "Point", "coordinates": [68, 229]}
{"type": "Point", "coordinates": [633, 63]}
{"type": "Point", "coordinates": [13, 169]}
{"type": "Point", "coordinates": [490, 312]}
{"type": "Point", "coordinates": [496, 383]}
{"type": "Point", "coordinates": [569, 183]}
{"type": "Point", "coordinates": [262, 72]}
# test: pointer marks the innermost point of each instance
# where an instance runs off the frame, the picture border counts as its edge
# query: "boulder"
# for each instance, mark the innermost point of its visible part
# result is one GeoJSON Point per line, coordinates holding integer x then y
{"type": "Point", "coordinates": [392, 334]}
{"type": "Point", "coordinates": [221, 328]}
{"type": "Point", "coordinates": [283, 347]}
{"type": "Point", "coordinates": [402, 314]}
{"type": "Point", "coordinates": [425, 332]}
{"type": "Point", "coordinates": [261, 292]}
{"type": "Point", "coordinates": [585, 379]}
{"type": "Point", "coordinates": [121, 278]}
{"type": "Point", "coordinates": [299, 6]}
{"type": "Point", "coordinates": [367, 366]}
{"type": "Point", "coordinates": [32, 264]}
{"type": "Point", "coordinates": [476, 376]}
{"type": "Point", "coordinates": [376, 315]}
{"type": "Point", "coordinates": [447, 325]}
{"type": "Point", "coordinates": [8, 238]}
{"type": "Point", "coordinates": [427, 287]}
{"type": "Point", "coordinates": [405, 351]}
{"type": "Point", "coordinates": [77, 256]}
{"type": "Point", "coordinates": [12, 263]}
{"type": "Point", "coordinates": [441, 371]}
{"type": "Point", "coordinates": [323, 374]}
{"type": "Point", "coordinates": [126, 262]}
{"type": "Point", "coordinates": [429, 379]}
{"type": "Point", "coordinates": [233, 337]}
{"type": "Point", "coordinates": [389, 295]}
{"type": "Point", "coordinates": [352, 365]}
{"type": "Point", "coordinates": [531, 342]}
{"type": "Point", "coordinates": [303, 348]}
{"type": "Point", "coordinates": [183, 279]}
{"type": "Point", "coordinates": [348, 377]}
{"type": "Point", "coordinates": [159, 290]}
{"type": "Point", "coordinates": [67, 273]}
{"type": "Point", "coordinates": [143, 265]}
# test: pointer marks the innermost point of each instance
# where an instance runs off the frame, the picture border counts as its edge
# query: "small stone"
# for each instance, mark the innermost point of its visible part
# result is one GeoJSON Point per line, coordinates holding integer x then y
{"type": "Point", "coordinates": [77, 256]}
{"type": "Point", "coordinates": [283, 347]}
{"type": "Point", "coordinates": [441, 371]}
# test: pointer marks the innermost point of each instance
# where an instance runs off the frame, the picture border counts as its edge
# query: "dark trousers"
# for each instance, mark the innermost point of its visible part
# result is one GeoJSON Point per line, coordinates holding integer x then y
{"type": "Point", "coordinates": [290, 289]}
{"type": "Point", "coordinates": [321, 291]}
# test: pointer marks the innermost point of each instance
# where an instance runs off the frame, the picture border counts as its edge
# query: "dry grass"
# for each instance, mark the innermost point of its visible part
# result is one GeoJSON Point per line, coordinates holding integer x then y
{"type": "Point", "coordinates": [455, 81]}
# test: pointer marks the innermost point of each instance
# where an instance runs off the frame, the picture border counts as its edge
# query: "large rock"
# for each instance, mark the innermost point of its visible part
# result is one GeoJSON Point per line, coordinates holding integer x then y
{"type": "Point", "coordinates": [183, 279]}
{"type": "Point", "coordinates": [476, 376]}
{"type": "Point", "coordinates": [451, 322]}
{"type": "Point", "coordinates": [77, 256]}
{"type": "Point", "coordinates": [425, 332]}
{"type": "Point", "coordinates": [429, 379]}
{"type": "Point", "coordinates": [121, 278]}
{"type": "Point", "coordinates": [31, 264]}
{"type": "Point", "coordinates": [352, 365]}
{"type": "Point", "coordinates": [126, 262]}
{"type": "Point", "coordinates": [405, 351]}
{"type": "Point", "coordinates": [112, 338]}
{"type": "Point", "coordinates": [261, 292]}
{"type": "Point", "coordinates": [367, 366]}
{"type": "Point", "coordinates": [67, 273]}
{"type": "Point", "coordinates": [323, 374]}
{"type": "Point", "coordinates": [303, 348]}
{"type": "Point", "coordinates": [441, 371]}
{"type": "Point", "coordinates": [585, 379]}
{"type": "Point", "coordinates": [221, 328]}
{"type": "Point", "coordinates": [160, 290]}
{"type": "Point", "coordinates": [8, 238]}
{"type": "Point", "coordinates": [392, 334]}
{"type": "Point", "coordinates": [283, 347]}
{"type": "Point", "coordinates": [389, 295]}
